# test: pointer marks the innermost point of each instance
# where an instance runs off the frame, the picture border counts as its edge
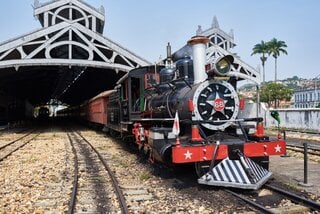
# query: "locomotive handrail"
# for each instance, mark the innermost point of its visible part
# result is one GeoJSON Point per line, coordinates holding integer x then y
{"type": "Point", "coordinates": [170, 83]}
{"type": "Point", "coordinates": [156, 87]}
{"type": "Point", "coordinates": [177, 80]}
{"type": "Point", "coordinates": [254, 119]}
{"type": "Point", "coordinates": [185, 81]}
{"type": "Point", "coordinates": [154, 119]}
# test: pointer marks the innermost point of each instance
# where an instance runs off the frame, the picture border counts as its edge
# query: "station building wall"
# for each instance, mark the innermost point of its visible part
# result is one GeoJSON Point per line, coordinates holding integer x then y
{"type": "Point", "coordinates": [302, 118]}
{"type": "Point", "coordinates": [308, 118]}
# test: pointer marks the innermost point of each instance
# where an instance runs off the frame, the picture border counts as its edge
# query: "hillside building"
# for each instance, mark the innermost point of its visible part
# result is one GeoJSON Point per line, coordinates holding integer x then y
{"type": "Point", "coordinates": [307, 98]}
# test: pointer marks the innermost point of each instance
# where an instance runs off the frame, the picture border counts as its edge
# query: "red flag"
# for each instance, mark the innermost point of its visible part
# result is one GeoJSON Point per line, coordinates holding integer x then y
{"type": "Point", "coordinates": [176, 125]}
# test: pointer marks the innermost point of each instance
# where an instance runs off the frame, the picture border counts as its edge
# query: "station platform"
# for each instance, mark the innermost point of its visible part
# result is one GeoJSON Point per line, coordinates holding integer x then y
{"type": "Point", "coordinates": [290, 171]}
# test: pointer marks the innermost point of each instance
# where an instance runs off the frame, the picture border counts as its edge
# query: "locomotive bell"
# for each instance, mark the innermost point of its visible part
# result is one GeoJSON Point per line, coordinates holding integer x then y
{"type": "Point", "coordinates": [221, 67]}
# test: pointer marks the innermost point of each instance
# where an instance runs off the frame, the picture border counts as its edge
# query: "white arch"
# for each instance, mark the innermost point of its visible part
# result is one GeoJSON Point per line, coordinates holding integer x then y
{"type": "Point", "coordinates": [57, 44]}
{"type": "Point", "coordinates": [70, 7]}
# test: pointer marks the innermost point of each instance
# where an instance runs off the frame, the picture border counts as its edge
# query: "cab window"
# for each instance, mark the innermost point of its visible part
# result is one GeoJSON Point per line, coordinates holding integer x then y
{"type": "Point", "coordinates": [151, 79]}
{"type": "Point", "coordinates": [135, 94]}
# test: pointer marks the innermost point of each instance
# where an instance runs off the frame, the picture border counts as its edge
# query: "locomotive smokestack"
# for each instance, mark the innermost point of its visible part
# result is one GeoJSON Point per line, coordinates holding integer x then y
{"type": "Point", "coordinates": [198, 45]}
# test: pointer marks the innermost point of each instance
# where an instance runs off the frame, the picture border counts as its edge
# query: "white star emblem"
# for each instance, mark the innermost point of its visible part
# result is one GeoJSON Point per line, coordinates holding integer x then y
{"type": "Point", "coordinates": [278, 148]}
{"type": "Point", "coordinates": [221, 104]}
{"type": "Point", "coordinates": [188, 155]}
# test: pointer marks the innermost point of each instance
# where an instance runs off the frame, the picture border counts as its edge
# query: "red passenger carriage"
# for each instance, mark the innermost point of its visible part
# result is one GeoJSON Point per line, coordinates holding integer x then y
{"type": "Point", "coordinates": [96, 108]}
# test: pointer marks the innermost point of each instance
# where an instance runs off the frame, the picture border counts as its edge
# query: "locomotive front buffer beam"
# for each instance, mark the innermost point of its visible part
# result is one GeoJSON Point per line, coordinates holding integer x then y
{"type": "Point", "coordinates": [239, 165]}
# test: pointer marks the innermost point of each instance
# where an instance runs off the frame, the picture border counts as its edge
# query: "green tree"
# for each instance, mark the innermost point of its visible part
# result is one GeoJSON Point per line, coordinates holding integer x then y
{"type": "Point", "coordinates": [273, 93]}
{"type": "Point", "coordinates": [275, 48]}
{"type": "Point", "coordinates": [261, 48]}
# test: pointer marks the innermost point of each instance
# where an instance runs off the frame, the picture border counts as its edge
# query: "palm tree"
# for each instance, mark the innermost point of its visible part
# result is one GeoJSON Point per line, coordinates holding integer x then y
{"type": "Point", "coordinates": [261, 48]}
{"type": "Point", "coordinates": [275, 48]}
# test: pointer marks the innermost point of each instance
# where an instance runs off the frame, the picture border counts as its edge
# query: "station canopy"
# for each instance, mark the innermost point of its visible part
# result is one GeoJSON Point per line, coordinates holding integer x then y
{"type": "Point", "coordinates": [68, 59]}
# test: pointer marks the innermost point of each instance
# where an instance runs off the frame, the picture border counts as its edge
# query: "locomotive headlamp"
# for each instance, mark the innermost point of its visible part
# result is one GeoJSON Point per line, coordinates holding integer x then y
{"type": "Point", "coordinates": [221, 67]}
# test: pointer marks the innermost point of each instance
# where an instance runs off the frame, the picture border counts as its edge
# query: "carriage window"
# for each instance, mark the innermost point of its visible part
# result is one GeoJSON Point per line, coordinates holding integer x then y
{"type": "Point", "coordinates": [151, 79]}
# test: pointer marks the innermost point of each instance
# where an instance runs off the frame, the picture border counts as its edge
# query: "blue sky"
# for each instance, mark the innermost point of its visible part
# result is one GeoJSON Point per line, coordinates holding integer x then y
{"type": "Point", "coordinates": [145, 27]}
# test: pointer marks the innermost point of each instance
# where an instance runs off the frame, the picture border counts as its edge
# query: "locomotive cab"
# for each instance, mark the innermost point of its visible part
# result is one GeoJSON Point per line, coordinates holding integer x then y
{"type": "Point", "coordinates": [127, 104]}
{"type": "Point", "coordinates": [139, 80]}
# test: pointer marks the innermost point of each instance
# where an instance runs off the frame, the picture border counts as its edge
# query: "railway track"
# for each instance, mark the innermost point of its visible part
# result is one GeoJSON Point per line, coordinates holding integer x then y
{"type": "Point", "coordinates": [313, 149]}
{"type": "Point", "coordinates": [296, 137]}
{"type": "Point", "coordinates": [303, 132]}
{"type": "Point", "coordinates": [307, 205]}
{"type": "Point", "coordinates": [165, 191]}
{"type": "Point", "coordinates": [4, 132]}
{"type": "Point", "coordinates": [202, 195]}
{"type": "Point", "coordinates": [92, 191]}
{"type": "Point", "coordinates": [11, 147]}
{"type": "Point", "coordinates": [296, 198]}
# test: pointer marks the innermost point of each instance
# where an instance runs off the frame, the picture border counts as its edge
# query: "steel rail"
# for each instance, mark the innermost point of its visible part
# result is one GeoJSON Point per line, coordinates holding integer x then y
{"type": "Point", "coordinates": [19, 147]}
{"type": "Point", "coordinates": [311, 146]}
{"type": "Point", "coordinates": [119, 193]}
{"type": "Point", "coordinates": [296, 198]}
{"type": "Point", "coordinates": [301, 131]}
{"type": "Point", "coordinates": [300, 150]}
{"type": "Point", "coordinates": [12, 142]}
{"type": "Point", "coordinates": [75, 178]}
{"type": "Point", "coordinates": [255, 205]}
{"type": "Point", "coordinates": [313, 149]}
{"type": "Point", "coordinates": [4, 129]}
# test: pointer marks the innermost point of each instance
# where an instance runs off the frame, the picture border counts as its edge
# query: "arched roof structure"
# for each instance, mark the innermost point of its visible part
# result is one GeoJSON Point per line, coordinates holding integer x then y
{"type": "Point", "coordinates": [68, 59]}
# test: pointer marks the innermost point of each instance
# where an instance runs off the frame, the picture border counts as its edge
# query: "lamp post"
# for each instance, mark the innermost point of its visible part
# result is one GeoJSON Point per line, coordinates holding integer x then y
{"type": "Point", "coordinates": [315, 91]}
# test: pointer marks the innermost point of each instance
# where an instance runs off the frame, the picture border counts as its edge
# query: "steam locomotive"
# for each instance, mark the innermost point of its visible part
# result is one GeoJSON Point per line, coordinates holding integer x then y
{"type": "Point", "coordinates": [187, 113]}
{"type": "Point", "coordinates": [43, 114]}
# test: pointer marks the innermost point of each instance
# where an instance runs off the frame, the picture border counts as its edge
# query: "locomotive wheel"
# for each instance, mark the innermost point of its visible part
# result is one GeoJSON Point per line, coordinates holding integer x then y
{"type": "Point", "coordinates": [202, 168]}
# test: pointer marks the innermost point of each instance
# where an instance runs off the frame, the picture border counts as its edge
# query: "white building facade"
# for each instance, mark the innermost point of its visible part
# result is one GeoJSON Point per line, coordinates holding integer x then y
{"type": "Point", "coordinates": [308, 98]}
